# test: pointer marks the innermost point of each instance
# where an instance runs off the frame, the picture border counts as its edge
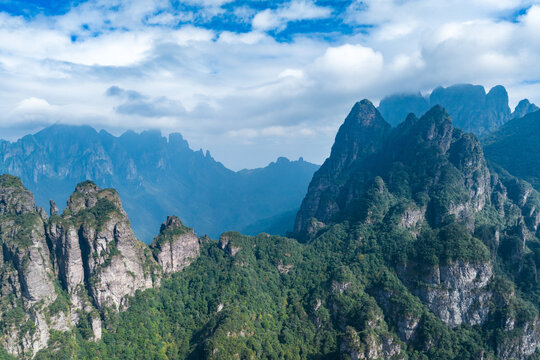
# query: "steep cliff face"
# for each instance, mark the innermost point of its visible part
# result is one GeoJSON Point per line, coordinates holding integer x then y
{"type": "Point", "coordinates": [27, 276]}
{"type": "Point", "coordinates": [361, 135]}
{"type": "Point", "coordinates": [457, 293]}
{"type": "Point", "coordinates": [176, 246]}
{"type": "Point", "coordinates": [98, 249]}
{"type": "Point", "coordinates": [59, 271]}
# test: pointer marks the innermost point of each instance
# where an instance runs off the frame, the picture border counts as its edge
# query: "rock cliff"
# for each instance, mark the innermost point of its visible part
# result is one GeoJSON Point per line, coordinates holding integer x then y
{"type": "Point", "coordinates": [76, 266]}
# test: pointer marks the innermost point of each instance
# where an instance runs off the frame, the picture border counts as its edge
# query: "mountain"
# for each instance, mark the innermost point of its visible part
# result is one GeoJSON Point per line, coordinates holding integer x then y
{"type": "Point", "coordinates": [472, 109]}
{"type": "Point", "coordinates": [73, 269]}
{"type": "Point", "coordinates": [451, 230]}
{"type": "Point", "coordinates": [516, 147]}
{"type": "Point", "coordinates": [412, 246]}
{"type": "Point", "coordinates": [523, 108]}
{"type": "Point", "coordinates": [163, 174]}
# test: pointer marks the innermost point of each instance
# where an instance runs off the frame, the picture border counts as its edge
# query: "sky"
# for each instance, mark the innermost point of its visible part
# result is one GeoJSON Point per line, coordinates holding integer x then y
{"type": "Point", "coordinates": [250, 80]}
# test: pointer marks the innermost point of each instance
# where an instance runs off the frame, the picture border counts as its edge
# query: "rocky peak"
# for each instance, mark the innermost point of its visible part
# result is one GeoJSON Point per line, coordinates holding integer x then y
{"type": "Point", "coordinates": [433, 129]}
{"type": "Point", "coordinates": [87, 195]}
{"type": "Point", "coordinates": [172, 223]}
{"type": "Point", "coordinates": [497, 97]}
{"type": "Point", "coordinates": [26, 273]}
{"type": "Point", "coordinates": [523, 108]}
{"type": "Point", "coordinates": [435, 156]}
{"type": "Point", "coordinates": [361, 135]}
{"type": "Point", "coordinates": [14, 198]}
{"type": "Point", "coordinates": [176, 246]}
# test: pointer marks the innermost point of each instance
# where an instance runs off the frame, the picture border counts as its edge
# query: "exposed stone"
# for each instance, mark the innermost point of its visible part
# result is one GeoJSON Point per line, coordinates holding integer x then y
{"type": "Point", "coordinates": [54, 209]}
{"type": "Point", "coordinates": [176, 246]}
{"type": "Point", "coordinates": [371, 346]}
{"type": "Point", "coordinates": [522, 343]}
{"type": "Point", "coordinates": [411, 217]}
{"type": "Point", "coordinates": [457, 293]}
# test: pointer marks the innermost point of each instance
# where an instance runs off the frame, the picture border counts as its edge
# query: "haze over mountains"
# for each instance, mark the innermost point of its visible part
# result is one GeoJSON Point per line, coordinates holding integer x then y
{"type": "Point", "coordinates": [155, 177]}
{"type": "Point", "coordinates": [472, 109]}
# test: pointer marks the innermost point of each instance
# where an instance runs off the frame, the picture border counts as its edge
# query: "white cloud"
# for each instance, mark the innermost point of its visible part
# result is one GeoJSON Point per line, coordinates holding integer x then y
{"type": "Point", "coordinates": [190, 34]}
{"type": "Point", "coordinates": [33, 105]}
{"type": "Point", "coordinates": [245, 95]}
{"type": "Point", "coordinates": [348, 67]}
{"type": "Point", "coordinates": [294, 11]}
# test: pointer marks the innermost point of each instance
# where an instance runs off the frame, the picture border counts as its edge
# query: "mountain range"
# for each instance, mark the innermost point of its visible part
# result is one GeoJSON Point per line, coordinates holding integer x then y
{"type": "Point", "coordinates": [472, 109]}
{"type": "Point", "coordinates": [157, 176]}
{"type": "Point", "coordinates": [410, 244]}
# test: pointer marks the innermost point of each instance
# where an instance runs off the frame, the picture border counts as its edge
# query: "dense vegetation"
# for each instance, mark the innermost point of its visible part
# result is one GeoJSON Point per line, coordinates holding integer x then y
{"type": "Point", "coordinates": [277, 298]}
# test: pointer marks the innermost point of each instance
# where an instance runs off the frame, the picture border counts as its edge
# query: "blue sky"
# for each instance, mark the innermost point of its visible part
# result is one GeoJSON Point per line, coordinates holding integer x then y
{"type": "Point", "coordinates": [250, 80]}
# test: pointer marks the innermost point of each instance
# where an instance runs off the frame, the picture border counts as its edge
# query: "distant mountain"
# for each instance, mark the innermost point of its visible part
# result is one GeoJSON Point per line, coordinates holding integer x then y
{"type": "Point", "coordinates": [471, 108]}
{"type": "Point", "coordinates": [516, 147]}
{"type": "Point", "coordinates": [155, 176]}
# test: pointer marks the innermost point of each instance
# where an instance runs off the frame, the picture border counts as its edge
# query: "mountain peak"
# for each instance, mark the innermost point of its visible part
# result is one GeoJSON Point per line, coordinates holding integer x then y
{"type": "Point", "coordinates": [523, 108]}
{"type": "Point", "coordinates": [365, 114]}
{"type": "Point", "coordinates": [14, 197]}
{"type": "Point", "coordinates": [363, 129]}
{"type": "Point", "coordinates": [360, 136]}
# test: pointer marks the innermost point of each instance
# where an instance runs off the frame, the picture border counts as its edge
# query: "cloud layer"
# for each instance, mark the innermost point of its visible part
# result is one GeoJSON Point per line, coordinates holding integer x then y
{"type": "Point", "coordinates": [248, 80]}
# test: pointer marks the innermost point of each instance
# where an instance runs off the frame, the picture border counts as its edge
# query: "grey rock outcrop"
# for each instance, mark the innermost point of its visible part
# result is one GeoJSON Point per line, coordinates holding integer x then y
{"type": "Point", "coordinates": [523, 344]}
{"type": "Point", "coordinates": [92, 252]}
{"type": "Point", "coordinates": [176, 246]}
{"type": "Point", "coordinates": [26, 272]}
{"type": "Point", "coordinates": [457, 292]}
{"type": "Point", "coordinates": [97, 244]}
{"type": "Point", "coordinates": [371, 346]}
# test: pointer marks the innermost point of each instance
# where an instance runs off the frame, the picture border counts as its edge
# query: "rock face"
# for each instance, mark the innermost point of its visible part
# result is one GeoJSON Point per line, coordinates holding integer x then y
{"type": "Point", "coordinates": [97, 248]}
{"type": "Point", "coordinates": [524, 344]}
{"type": "Point", "coordinates": [372, 347]}
{"type": "Point", "coordinates": [457, 293]}
{"type": "Point", "coordinates": [176, 246]}
{"type": "Point", "coordinates": [83, 263]}
{"type": "Point", "coordinates": [471, 109]}
{"type": "Point", "coordinates": [26, 272]}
